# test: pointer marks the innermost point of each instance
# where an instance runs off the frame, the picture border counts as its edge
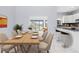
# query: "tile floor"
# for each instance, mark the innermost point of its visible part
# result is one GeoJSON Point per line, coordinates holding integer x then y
{"type": "Point", "coordinates": [57, 46]}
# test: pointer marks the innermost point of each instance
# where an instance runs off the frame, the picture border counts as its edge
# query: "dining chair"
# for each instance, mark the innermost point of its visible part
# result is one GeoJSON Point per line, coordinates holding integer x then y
{"type": "Point", "coordinates": [5, 48]}
{"type": "Point", "coordinates": [14, 34]}
{"type": "Point", "coordinates": [41, 38]}
{"type": "Point", "coordinates": [44, 35]}
{"type": "Point", "coordinates": [46, 44]}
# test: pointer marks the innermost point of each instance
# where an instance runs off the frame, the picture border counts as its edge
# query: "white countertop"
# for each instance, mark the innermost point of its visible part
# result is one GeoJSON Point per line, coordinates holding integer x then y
{"type": "Point", "coordinates": [75, 37]}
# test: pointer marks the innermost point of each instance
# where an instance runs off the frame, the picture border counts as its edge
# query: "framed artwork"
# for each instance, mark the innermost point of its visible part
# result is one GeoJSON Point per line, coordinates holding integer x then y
{"type": "Point", "coordinates": [3, 22]}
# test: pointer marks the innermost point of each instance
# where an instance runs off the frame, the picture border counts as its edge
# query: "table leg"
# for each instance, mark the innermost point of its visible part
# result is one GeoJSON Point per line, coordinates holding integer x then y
{"type": "Point", "coordinates": [21, 47]}
{"type": "Point", "coordinates": [15, 50]}
{"type": "Point", "coordinates": [28, 48]}
{"type": "Point", "coordinates": [24, 48]}
{"type": "Point", "coordinates": [38, 49]}
{"type": "Point", "coordinates": [18, 48]}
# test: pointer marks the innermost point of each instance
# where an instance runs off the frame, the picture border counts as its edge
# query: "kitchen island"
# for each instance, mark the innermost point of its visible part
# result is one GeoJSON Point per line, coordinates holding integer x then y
{"type": "Point", "coordinates": [74, 36]}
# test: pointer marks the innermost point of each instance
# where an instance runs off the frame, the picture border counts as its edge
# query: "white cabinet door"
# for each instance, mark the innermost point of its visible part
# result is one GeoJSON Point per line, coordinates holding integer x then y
{"type": "Point", "coordinates": [76, 16]}
{"type": "Point", "coordinates": [65, 19]}
{"type": "Point", "coordinates": [69, 19]}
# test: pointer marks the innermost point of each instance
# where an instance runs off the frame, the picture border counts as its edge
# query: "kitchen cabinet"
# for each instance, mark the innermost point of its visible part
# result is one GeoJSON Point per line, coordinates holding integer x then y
{"type": "Point", "coordinates": [76, 16]}
{"type": "Point", "coordinates": [69, 19]}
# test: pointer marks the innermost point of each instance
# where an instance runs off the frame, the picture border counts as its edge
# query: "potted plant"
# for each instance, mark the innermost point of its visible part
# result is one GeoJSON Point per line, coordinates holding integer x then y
{"type": "Point", "coordinates": [30, 29]}
{"type": "Point", "coordinates": [17, 27]}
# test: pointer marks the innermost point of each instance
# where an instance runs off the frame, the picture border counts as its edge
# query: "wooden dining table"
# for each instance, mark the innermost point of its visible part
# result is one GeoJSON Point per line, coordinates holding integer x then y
{"type": "Point", "coordinates": [24, 39]}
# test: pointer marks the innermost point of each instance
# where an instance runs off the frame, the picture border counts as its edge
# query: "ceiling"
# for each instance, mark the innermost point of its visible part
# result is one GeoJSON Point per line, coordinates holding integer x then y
{"type": "Point", "coordinates": [67, 8]}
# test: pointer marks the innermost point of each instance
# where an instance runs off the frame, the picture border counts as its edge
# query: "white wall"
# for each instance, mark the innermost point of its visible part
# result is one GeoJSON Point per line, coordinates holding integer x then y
{"type": "Point", "coordinates": [23, 14]}
{"type": "Point", "coordinates": [10, 13]}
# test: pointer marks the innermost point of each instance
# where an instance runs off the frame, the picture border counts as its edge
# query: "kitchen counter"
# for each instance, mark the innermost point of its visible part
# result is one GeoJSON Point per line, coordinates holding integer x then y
{"type": "Point", "coordinates": [75, 37]}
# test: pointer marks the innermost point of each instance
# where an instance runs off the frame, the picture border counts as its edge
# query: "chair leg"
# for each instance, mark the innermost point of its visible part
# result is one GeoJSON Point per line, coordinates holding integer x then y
{"type": "Point", "coordinates": [28, 48]}
{"type": "Point", "coordinates": [1, 51]}
{"type": "Point", "coordinates": [18, 48]}
{"type": "Point", "coordinates": [24, 49]}
{"type": "Point", "coordinates": [4, 51]}
{"type": "Point", "coordinates": [39, 51]}
{"type": "Point", "coordinates": [7, 51]}
{"type": "Point", "coordinates": [15, 50]}
{"type": "Point", "coordinates": [47, 51]}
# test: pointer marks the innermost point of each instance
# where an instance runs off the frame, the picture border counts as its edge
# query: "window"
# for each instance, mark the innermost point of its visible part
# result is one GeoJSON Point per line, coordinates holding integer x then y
{"type": "Point", "coordinates": [38, 25]}
{"type": "Point", "coordinates": [45, 23]}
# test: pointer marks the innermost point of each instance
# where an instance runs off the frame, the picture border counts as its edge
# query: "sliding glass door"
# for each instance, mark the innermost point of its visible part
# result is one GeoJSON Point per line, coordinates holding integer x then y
{"type": "Point", "coordinates": [38, 25]}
